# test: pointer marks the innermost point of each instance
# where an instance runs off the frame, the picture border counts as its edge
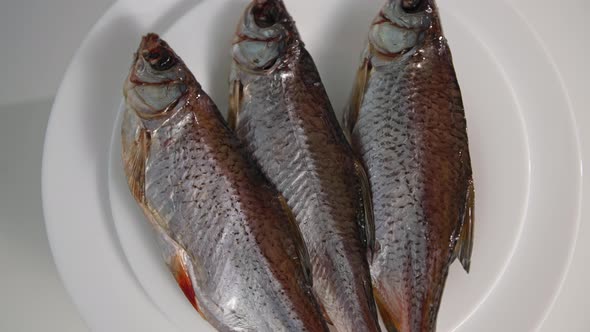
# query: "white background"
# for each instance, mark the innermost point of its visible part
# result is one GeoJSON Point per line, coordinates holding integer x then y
{"type": "Point", "coordinates": [37, 40]}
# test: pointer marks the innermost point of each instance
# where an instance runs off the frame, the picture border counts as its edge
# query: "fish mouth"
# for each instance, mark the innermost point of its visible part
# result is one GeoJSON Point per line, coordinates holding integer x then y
{"type": "Point", "coordinates": [413, 6]}
{"type": "Point", "coordinates": [153, 62]}
{"type": "Point", "coordinates": [406, 14]}
{"type": "Point", "coordinates": [153, 46]}
{"type": "Point", "coordinates": [157, 53]}
{"type": "Point", "coordinates": [150, 42]}
{"type": "Point", "coordinates": [267, 13]}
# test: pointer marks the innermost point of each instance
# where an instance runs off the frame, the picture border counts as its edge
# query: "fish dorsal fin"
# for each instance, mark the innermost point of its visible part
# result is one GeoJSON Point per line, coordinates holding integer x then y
{"type": "Point", "coordinates": [464, 245]}
{"type": "Point", "coordinates": [300, 244]}
{"type": "Point", "coordinates": [351, 113]}
{"type": "Point", "coordinates": [368, 222]}
{"type": "Point", "coordinates": [235, 103]}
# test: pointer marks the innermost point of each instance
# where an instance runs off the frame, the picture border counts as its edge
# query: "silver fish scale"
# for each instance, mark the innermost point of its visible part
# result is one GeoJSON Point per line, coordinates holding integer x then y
{"type": "Point", "coordinates": [411, 135]}
{"type": "Point", "coordinates": [205, 213]}
{"type": "Point", "coordinates": [292, 136]}
{"type": "Point", "coordinates": [388, 148]}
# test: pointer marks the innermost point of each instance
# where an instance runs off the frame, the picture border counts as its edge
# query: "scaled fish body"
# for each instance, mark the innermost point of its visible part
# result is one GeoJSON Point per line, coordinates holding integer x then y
{"type": "Point", "coordinates": [226, 235]}
{"type": "Point", "coordinates": [281, 111]}
{"type": "Point", "coordinates": [407, 122]}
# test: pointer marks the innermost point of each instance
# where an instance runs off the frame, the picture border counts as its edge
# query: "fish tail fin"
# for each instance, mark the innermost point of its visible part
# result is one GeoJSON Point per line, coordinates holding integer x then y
{"type": "Point", "coordinates": [464, 246]}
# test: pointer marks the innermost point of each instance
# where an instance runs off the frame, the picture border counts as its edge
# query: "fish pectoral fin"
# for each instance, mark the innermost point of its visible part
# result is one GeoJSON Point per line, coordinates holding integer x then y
{"type": "Point", "coordinates": [180, 269]}
{"type": "Point", "coordinates": [186, 270]}
{"type": "Point", "coordinates": [135, 140]}
{"type": "Point", "coordinates": [464, 246]}
{"type": "Point", "coordinates": [368, 222]}
{"type": "Point", "coordinates": [387, 315]}
{"type": "Point", "coordinates": [300, 244]}
{"type": "Point", "coordinates": [235, 103]}
{"type": "Point", "coordinates": [323, 310]}
{"type": "Point", "coordinates": [352, 111]}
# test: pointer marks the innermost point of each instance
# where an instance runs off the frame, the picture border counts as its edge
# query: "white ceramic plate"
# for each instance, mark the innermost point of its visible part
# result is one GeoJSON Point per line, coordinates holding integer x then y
{"type": "Point", "coordinates": [105, 251]}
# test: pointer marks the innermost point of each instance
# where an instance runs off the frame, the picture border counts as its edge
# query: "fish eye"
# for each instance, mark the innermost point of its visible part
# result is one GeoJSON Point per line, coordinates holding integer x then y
{"type": "Point", "coordinates": [164, 63]}
{"type": "Point", "coordinates": [266, 14]}
{"type": "Point", "coordinates": [160, 59]}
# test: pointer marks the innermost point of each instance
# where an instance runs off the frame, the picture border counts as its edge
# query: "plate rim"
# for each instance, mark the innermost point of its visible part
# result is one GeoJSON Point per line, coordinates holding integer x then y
{"type": "Point", "coordinates": [53, 237]}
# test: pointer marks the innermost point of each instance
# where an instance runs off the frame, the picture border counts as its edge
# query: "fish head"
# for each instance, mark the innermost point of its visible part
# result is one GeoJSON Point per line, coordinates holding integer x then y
{"type": "Point", "coordinates": [264, 37]}
{"type": "Point", "coordinates": [401, 25]}
{"type": "Point", "coordinates": [158, 79]}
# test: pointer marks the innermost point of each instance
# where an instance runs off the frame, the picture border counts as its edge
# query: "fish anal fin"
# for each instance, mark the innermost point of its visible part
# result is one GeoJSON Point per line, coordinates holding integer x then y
{"type": "Point", "coordinates": [185, 269]}
{"type": "Point", "coordinates": [368, 222]}
{"type": "Point", "coordinates": [464, 246]}
{"type": "Point", "coordinates": [235, 103]}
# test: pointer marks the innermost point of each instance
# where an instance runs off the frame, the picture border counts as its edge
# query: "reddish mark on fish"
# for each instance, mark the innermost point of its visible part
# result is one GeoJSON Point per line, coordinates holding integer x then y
{"type": "Point", "coordinates": [167, 142]}
{"type": "Point", "coordinates": [184, 281]}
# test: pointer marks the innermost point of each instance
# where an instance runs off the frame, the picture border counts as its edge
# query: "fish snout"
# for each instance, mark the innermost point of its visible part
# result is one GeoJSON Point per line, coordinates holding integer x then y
{"type": "Point", "coordinates": [157, 53]}
{"type": "Point", "coordinates": [157, 79]}
{"type": "Point", "coordinates": [413, 6]}
{"type": "Point", "coordinates": [264, 20]}
{"type": "Point", "coordinates": [409, 6]}
{"type": "Point", "coordinates": [267, 13]}
{"type": "Point", "coordinates": [150, 42]}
